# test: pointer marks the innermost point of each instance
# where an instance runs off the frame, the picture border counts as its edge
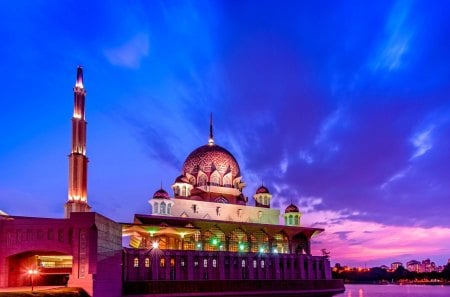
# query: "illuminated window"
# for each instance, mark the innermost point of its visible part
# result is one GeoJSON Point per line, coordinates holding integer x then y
{"type": "Point", "coordinates": [255, 263]}
{"type": "Point", "coordinates": [162, 208]}
{"type": "Point", "coordinates": [262, 263]}
{"type": "Point", "coordinates": [147, 262]}
{"type": "Point", "coordinates": [155, 208]}
{"type": "Point", "coordinates": [172, 262]}
{"type": "Point", "coordinates": [182, 262]}
{"type": "Point", "coordinates": [296, 220]}
{"type": "Point", "coordinates": [136, 262]}
{"type": "Point", "coordinates": [243, 263]}
{"type": "Point", "coordinates": [205, 263]}
{"type": "Point", "coordinates": [196, 262]}
{"type": "Point", "coordinates": [291, 221]}
{"type": "Point", "coordinates": [214, 263]}
{"type": "Point", "coordinates": [162, 262]}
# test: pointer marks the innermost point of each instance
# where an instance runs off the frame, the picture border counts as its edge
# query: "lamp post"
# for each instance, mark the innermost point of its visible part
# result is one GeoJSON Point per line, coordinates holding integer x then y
{"type": "Point", "coordinates": [32, 273]}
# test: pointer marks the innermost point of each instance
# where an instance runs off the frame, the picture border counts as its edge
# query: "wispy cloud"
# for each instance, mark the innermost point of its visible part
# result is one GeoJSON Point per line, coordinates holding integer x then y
{"type": "Point", "coordinates": [391, 52]}
{"type": "Point", "coordinates": [422, 142]}
{"type": "Point", "coordinates": [131, 53]}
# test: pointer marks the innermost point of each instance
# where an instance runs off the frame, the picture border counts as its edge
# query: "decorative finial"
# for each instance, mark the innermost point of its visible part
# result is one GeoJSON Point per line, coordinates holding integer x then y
{"type": "Point", "coordinates": [161, 185]}
{"type": "Point", "coordinates": [79, 82]}
{"type": "Point", "coordinates": [211, 138]}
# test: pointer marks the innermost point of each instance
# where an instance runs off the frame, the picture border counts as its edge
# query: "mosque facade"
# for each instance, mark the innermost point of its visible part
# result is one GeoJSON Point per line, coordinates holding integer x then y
{"type": "Point", "coordinates": [205, 235]}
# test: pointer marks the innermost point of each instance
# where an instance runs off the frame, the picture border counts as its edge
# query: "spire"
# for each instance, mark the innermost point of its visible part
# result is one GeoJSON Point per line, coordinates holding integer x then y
{"type": "Point", "coordinates": [211, 138]}
{"type": "Point", "coordinates": [79, 82]}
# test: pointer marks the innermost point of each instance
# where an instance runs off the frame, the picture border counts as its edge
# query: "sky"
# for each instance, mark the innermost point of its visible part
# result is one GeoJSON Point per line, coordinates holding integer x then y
{"type": "Point", "coordinates": [342, 107]}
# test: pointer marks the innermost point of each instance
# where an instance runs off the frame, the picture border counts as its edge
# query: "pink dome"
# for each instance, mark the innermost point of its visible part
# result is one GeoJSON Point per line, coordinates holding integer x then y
{"type": "Point", "coordinates": [262, 190]}
{"type": "Point", "coordinates": [209, 158]}
{"type": "Point", "coordinates": [291, 208]}
{"type": "Point", "coordinates": [161, 194]}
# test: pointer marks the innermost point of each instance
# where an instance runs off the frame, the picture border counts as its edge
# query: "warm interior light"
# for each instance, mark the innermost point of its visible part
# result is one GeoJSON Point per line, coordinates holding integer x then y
{"type": "Point", "coordinates": [261, 250]}
{"type": "Point", "coordinates": [155, 245]}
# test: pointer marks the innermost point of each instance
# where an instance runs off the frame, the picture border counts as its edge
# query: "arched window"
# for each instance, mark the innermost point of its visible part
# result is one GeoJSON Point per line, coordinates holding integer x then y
{"type": "Point", "coordinates": [162, 208]}
{"type": "Point", "coordinates": [205, 263]}
{"type": "Point", "coordinates": [155, 207]}
{"type": "Point", "coordinates": [243, 263]}
{"type": "Point", "coordinates": [262, 263]}
{"type": "Point", "coordinates": [215, 179]}
{"type": "Point", "coordinates": [296, 220]}
{"type": "Point", "coordinates": [255, 263]}
{"type": "Point", "coordinates": [221, 199]}
{"type": "Point", "coordinates": [202, 180]}
{"type": "Point", "coordinates": [291, 220]}
{"type": "Point", "coordinates": [136, 262]}
{"type": "Point", "coordinates": [169, 206]}
{"type": "Point", "coordinates": [285, 220]}
{"type": "Point", "coordinates": [214, 263]}
{"type": "Point", "coordinates": [177, 190]}
{"type": "Point", "coordinates": [162, 262]}
{"type": "Point", "coordinates": [183, 191]}
{"type": "Point", "coordinates": [147, 262]}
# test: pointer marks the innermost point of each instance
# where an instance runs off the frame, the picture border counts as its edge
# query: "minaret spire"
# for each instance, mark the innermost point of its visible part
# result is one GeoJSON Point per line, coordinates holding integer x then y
{"type": "Point", "coordinates": [211, 137]}
{"type": "Point", "coordinates": [77, 188]}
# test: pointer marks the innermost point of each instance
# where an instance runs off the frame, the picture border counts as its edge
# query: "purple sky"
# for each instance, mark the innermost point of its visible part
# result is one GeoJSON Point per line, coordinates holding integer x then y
{"type": "Point", "coordinates": [343, 108]}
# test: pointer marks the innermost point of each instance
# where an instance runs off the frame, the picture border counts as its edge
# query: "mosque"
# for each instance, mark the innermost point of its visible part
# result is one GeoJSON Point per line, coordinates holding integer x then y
{"type": "Point", "coordinates": [204, 236]}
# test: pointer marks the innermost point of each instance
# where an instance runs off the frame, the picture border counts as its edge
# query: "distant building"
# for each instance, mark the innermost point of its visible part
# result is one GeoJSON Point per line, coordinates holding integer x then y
{"type": "Point", "coordinates": [384, 267]}
{"type": "Point", "coordinates": [396, 265]}
{"type": "Point", "coordinates": [413, 266]}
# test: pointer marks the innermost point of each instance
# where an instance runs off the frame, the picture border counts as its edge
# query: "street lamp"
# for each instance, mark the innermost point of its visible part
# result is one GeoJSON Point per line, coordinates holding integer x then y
{"type": "Point", "coordinates": [32, 273]}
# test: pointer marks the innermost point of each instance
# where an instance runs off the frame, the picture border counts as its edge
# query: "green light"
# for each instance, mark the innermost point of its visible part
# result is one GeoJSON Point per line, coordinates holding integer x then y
{"type": "Point", "coordinates": [261, 250]}
{"type": "Point", "coordinates": [241, 247]}
{"type": "Point", "coordinates": [214, 241]}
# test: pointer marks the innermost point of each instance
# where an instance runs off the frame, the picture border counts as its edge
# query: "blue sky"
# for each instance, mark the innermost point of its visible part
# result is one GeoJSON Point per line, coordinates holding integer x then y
{"type": "Point", "coordinates": [341, 107]}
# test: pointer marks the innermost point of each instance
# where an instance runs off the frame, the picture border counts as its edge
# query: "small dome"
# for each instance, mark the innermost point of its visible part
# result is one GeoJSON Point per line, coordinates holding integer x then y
{"type": "Point", "coordinates": [262, 190]}
{"type": "Point", "coordinates": [181, 179]}
{"type": "Point", "coordinates": [291, 208]}
{"type": "Point", "coordinates": [161, 194]}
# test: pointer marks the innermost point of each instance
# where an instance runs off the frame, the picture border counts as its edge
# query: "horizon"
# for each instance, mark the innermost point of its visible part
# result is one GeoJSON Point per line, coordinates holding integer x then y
{"type": "Point", "coordinates": [344, 111]}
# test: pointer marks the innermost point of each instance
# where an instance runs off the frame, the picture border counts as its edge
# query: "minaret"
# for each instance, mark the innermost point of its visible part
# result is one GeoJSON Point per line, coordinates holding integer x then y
{"type": "Point", "coordinates": [77, 190]}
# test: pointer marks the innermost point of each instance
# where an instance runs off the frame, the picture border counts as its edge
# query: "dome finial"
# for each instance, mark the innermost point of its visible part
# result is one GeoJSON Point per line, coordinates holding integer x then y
{"type": "Point", "coordinates": [211, 138]}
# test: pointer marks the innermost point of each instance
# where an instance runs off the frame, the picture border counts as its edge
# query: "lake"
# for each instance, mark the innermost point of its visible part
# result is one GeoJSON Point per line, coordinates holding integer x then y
{"type": "Point", "coordinates": [395, 291]}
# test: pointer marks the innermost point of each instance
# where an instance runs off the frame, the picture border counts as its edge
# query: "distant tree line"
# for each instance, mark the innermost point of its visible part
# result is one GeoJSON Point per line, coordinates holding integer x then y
{"type": "Point", "coordinates": [380, 275]}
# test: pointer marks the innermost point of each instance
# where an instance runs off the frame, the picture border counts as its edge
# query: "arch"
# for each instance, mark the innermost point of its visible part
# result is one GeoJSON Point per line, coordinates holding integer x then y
{"type": "Point", "coordinates": [136, 262]}
{"type": "Point", "coordinates": [214, 179]}
{"type": "Point", "coordinates": [176, 189]}
{"type": "Point", "coordinates": [169, 208]}
{"type": "Point", "coordinates": [221, 199]}
{"type": "Point", "coordinates": [297, 220]}
{"type": "Point", "coordinates": [202, 179]}
{"type": "Point", "coordinates": [291, 220]}
{"type": "Point", "coordinates": [238, 241]}
{"type": "Point", "coordinates": [162, 208]}
{"type": "Point", "coordinates": [155, 207]}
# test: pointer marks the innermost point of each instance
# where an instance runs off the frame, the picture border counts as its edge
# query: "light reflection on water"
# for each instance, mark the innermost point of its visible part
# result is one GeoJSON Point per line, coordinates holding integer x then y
{"type": "Point", "coordinates": [395, 291]}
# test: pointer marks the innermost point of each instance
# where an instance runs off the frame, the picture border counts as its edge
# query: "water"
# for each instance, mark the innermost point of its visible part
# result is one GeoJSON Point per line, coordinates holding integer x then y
{"type": "Point", "coordinates": [395, 291]}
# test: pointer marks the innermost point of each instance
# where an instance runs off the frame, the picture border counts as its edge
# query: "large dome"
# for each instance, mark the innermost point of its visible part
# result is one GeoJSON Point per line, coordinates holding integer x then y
{"type": "Point", "coordinates": [208, 158]}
